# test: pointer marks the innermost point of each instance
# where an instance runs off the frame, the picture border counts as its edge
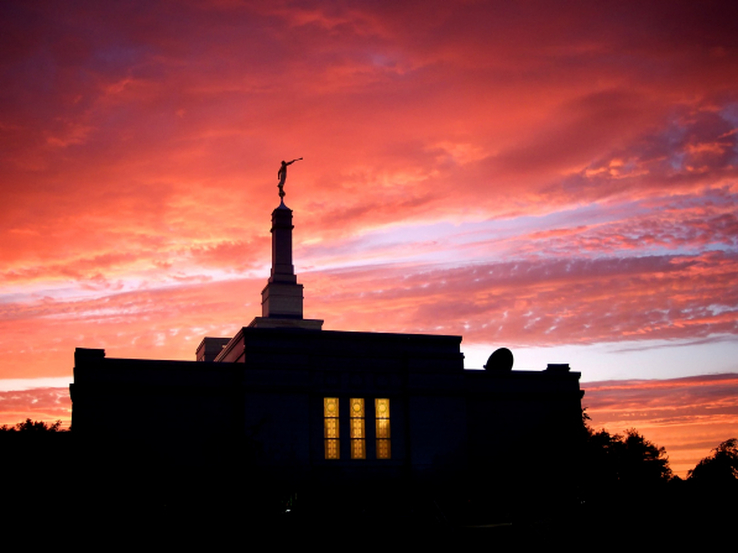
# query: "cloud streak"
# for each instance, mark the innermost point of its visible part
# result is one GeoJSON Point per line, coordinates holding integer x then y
{"type": "Point", "coordinates": [519, 174]}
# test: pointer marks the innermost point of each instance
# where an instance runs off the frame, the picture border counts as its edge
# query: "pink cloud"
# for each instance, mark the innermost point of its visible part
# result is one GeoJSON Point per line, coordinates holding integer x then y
{"type": "Point", "coordinates": [139, 145]}
{"type": "Point", "coordinates": [42, 404]}
{"type": "Point", "coordinates": [542, 301]}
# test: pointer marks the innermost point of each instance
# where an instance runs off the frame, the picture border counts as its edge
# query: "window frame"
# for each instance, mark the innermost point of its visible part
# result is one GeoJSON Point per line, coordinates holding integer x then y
{"type": "Point", "coordinates": [365, 421]}
{"type": "Point", "coordinates": [331, 428]}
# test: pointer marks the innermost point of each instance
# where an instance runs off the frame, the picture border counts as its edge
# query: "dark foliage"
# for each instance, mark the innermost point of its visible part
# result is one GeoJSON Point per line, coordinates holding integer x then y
{"type": "Point", "coordinates": [720, 467]}
{"type": "Point", "coordinates": [33, 426]}
{"type": "Point", "coordinates": [626, 482]}
{"type": "Point", "coordinates": [625, 462]}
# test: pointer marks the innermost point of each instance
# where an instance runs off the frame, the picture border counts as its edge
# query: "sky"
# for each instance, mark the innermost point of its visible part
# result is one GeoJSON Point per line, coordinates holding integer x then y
{"type": "Point", "coordinates": [559, 178]}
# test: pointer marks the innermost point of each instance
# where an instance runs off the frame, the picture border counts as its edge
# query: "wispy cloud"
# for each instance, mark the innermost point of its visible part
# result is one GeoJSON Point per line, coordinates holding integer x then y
{"type": "Point", "coordinates": [531, 174]}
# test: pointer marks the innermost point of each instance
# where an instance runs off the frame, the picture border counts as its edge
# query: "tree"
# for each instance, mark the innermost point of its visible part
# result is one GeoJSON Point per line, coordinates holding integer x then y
{"type": "Point", "coordinates": [720, 467]}
{"type": "Point", "coordinates": [33, 426]}
{"type": "Point", "coordinates": [643, 462]}
{"type": "Point", "coordinates": [627, 462]}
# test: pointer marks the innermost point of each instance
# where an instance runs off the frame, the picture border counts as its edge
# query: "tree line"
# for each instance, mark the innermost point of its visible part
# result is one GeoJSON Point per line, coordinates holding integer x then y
{"type": "Point", "coordinates": [624, 486]}
{"type": "Point", "coordinates": [29, 425]}
{"type": "Point", "coordinates": [625, 460]}
{"type": "Point", "coordinates": [629, 460]}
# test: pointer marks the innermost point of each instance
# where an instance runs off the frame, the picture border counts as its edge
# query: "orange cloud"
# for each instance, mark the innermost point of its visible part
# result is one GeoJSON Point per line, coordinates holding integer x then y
{"type": "Point", "coordinates": [687, 416]}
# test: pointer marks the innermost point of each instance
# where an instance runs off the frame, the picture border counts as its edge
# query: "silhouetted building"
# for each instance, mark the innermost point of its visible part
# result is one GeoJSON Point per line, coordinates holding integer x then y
{"type": "Point", "coordinates": [288, 402]}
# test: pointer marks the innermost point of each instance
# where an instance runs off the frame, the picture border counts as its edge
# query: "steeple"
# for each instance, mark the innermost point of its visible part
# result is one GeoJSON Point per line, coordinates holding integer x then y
{"type": "Point", "coordinates": [281, 298]}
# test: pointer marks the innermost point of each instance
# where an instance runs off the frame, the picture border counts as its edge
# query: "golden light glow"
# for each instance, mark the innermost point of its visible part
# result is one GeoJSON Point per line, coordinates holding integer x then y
{"type": "Point", "coordinates": [358, 433]}
{"type": "Point", "coordinates": [357, 428]}
{"type": "Point", "coordinates": [331, 428]}
{"type": "Point", "coordinates": [382, 411]}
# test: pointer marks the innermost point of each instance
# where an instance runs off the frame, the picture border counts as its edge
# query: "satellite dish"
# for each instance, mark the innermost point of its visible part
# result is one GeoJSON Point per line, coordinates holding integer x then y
{"type": "Point", "coordinates": [500, 360]}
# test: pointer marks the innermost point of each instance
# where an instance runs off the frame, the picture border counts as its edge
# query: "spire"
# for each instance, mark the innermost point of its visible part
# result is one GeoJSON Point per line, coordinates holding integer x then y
{"type": "Point", "coordinates": [281, 298]}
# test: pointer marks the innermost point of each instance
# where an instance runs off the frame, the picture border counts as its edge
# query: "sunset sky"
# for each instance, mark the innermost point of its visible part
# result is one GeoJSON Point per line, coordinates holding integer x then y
{"type": "Point", "coordinates": [560, 178]}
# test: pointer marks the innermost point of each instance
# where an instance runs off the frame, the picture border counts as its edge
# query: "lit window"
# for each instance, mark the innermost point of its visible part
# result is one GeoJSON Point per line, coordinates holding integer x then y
{"type": "Point", "coordinates": [330, 428]}
{"type": "Point", "coordinates": [357, 432]}
{"type": "Point", "coordinates": [357, 428]}
{"type": "Point", "coordinates": [382, 413]}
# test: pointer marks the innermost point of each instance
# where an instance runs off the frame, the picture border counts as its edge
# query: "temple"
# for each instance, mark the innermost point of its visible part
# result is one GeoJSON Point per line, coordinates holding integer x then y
{"type": "Point", "coordinates": [303, 409]}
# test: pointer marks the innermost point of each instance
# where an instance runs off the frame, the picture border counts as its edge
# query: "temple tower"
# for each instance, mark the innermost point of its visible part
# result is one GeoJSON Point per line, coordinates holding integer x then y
{"type": "Point", "coordinates": [281, 298]}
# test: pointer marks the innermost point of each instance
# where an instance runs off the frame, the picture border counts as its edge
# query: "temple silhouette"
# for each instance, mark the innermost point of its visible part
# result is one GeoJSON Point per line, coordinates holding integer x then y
{"type": "Point", "coordinates": [286, 404]}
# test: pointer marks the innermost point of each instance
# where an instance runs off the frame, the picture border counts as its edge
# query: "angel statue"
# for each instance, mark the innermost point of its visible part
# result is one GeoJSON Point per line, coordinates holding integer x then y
{"type": "Point", "coordinates": [282, 175]}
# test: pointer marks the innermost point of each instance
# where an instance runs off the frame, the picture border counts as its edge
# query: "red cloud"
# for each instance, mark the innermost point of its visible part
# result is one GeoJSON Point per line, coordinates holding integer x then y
{"type": "Point", "coordinates": [591, 149]}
